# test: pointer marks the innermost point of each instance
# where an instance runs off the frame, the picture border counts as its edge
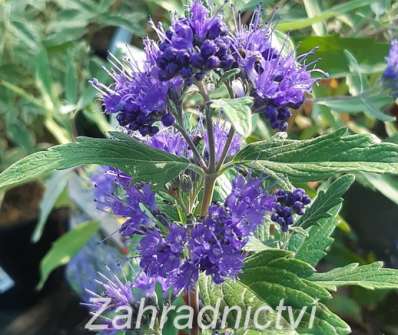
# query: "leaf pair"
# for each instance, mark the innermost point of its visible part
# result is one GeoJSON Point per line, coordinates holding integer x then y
{"type": "Point", "coordinates": [135, 158]}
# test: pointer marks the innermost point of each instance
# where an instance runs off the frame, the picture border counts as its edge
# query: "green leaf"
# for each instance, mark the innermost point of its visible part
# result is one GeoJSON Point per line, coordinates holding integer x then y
{"type": "Point", "coordinates": [43, 74]}
{"type": "Point", "coordinates": [360, 101]}
{"type": "Point", "coordinates": [313, 9]}
{"type": "Point", "coordinates": [313, 248]}
{"type": "Point", "coordinates": [55, 185]}
{"type": "Point", "coordinates": [329, 50]}
{"type": "Point", "coordinates": [356, 78]}
{"type": "Point", "coordinates": [122, 152]}
{"type": "Point", "coordinates": [64, 36]}
{"type": "Point", "coordinates": [238, 112]}
{"type": "Point", "coordinates": [275, 275]}
{"type": "Point", "coordinates": [65, 248]}
{"type": "Point", "coordinates": [234, 293]}
{"type": "Point", "coordinates": [325, 201]}
{"type": "Point", "coordinates": [320, 219]}
{"type": "Point", "coordinates": [131, 22]}
{"type": "Point", "coordinates": [370, 276]}
{"type": "Point", "coordinates": [385, 184]}
{"type": "Point", "coordinates": [18, 133]}
{"type": "Point", "coordinates": [26, 33]}
{"type": "Point", "coordinates": [321, 157]}
{"type": "Point", "coordinates": [71, 83]}
{"type": "Point", "coordinates": [371, 105]}
{"type": "Point", "coordinates": [327, 14]}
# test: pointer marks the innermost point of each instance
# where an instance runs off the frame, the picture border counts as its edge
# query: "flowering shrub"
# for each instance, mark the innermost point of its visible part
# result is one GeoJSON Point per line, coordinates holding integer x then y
{"type": "Point", "coordinates": [215, 214]}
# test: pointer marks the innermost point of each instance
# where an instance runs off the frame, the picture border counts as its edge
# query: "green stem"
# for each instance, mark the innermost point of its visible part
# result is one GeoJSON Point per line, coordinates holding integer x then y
{"type": "Point", "coordinates": [210, 181]}
{"type": "Point", "coordinates": [21, 92]}
{"type": "Point", "coordinates": [57, 131]}
{"type": "Point", "coordinates": [209, 127]}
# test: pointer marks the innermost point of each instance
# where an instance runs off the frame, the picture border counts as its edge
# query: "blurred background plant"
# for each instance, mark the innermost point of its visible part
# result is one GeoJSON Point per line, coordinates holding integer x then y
{"type": "Point", "coordinates": [49, 49]}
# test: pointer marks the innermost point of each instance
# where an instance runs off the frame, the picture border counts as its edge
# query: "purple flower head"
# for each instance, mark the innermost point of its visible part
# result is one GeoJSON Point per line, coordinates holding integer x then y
{"type": "Point", "coordinates": [120, 292]}
{"type": "Point", "coordinates": [186, 276]}
{"type": "Point", "coordinates": [114, 191]}
{"type": "Point", "coordinates": [160, 256]}
{"type": "Point", "coordinates": [171, 141]}
{"type": "Point", "coordinates": [216, 245]}
{"type": "Point", "coordinates": [390, 76]}
{"type": "Point", "coordinates": [220, 137]}
{"type": "Point", "coordinates": [278, 80]}
{"type": "Point", "coordinates": [136, 96]}
{"type": "Point", "coordinates": [146, 285]}
{"type": "Point", "coordinates": [193, 45]}
{"type": "Point", "coordinates": [253, 40]}
{"type": "Point", "coordinates": [287, 204]}
{"type": "Point", "coordinates": [248, 203]}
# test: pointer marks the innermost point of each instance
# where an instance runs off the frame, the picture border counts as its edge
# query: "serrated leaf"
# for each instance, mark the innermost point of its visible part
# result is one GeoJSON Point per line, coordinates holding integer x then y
{"type": "Point", "coordinates": [238, 112]}
{"type": "Point", "coordinates": [127, 154]}
{"type": "Point", "coordinates": [326, 200]}
{"type": "Point", "coordinates": [320, 219]}
{"type": "Point", "coordinates": [275, 275]}
{"type": "Point", "coordinates": [370, 276]}
{"type": "Point", "coordinates": [234, 293]}
{"type": "Point", "coordinates": [313, 248]}
{"type": "Point", "coordinates": [65, 248]}
{"type": "Point", "coordinates": [321, 157]}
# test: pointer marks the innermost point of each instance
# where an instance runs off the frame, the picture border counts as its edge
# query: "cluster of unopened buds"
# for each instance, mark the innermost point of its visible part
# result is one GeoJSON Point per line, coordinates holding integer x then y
{"type": "Point", "coordinates": [287, 204]}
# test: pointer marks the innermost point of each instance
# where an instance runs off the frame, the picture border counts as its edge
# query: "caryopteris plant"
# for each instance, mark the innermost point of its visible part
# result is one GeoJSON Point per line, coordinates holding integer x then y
{"type": "Point", "coordinates": [211, 217]}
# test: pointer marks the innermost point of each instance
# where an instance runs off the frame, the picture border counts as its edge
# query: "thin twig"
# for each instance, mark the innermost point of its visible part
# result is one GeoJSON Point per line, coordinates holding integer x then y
{"type": "Point", "coordinates": [225, 150]}
{"type": "Point", "coordinates": [209, 127]}
{"type": "Point", "coordinates": [192, 145]}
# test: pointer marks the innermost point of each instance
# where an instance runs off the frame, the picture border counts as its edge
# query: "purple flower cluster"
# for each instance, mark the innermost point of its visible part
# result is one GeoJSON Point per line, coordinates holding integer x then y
{"type": "Point", "coordinates": [279, 82]}
{"type": "Point", "coordinates": [160, 256]}
{"type": "Point", "coordinates": [137, 96]}
{"type": "Point", "coordinates": [287, 204]}
{"type": "Point", "coordinates": [390, 75]}
{"type": "Point", "coordinates": [213, 245]}
{"type": "Point", "coordinates": [217, 242]}
{"type": "Point", "coordinates": [216, 245]}
{"type": "Point", "coordinates": [171, 141]}
{"type": "Point", "coordinates": [194, 45]}
{"type": "Point", "coordinates": [115, 192]}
